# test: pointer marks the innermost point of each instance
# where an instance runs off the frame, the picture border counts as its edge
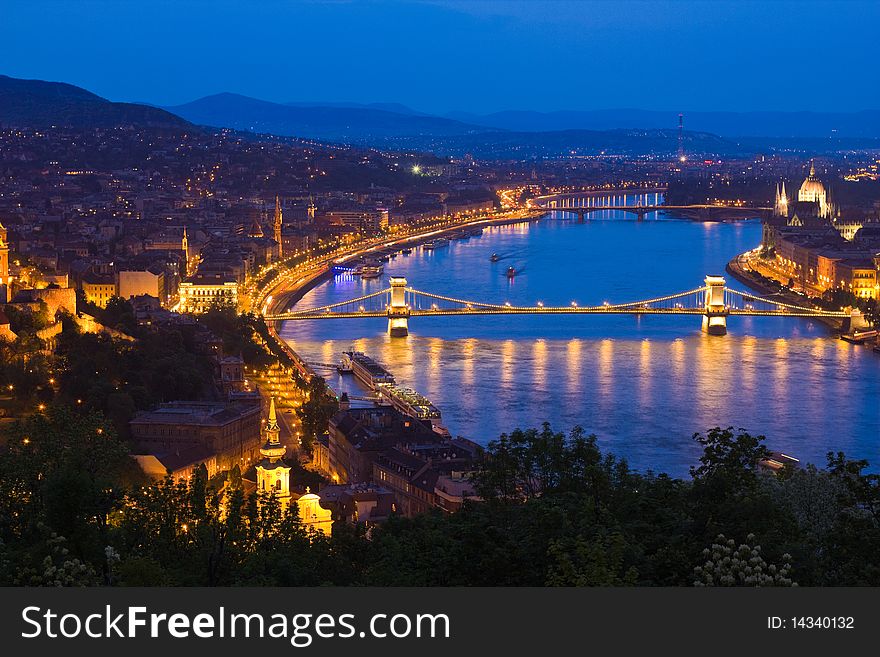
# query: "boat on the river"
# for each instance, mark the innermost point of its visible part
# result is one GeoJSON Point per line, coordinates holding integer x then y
{"type": "Point", "coordinates": [494, 258]}
{"type": "Point", "coordinates": [438, 243]}
{"type": "Point", "coordinates": [372, 271]}
{"type": "Point", "coordinates": [368, 371]}
{"type": "Point", "coordinates": [511, 272]}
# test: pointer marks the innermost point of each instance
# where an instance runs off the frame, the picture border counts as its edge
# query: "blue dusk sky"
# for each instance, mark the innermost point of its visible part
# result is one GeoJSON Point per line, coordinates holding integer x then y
{"type": "Point", "coordinates": [441, 55]}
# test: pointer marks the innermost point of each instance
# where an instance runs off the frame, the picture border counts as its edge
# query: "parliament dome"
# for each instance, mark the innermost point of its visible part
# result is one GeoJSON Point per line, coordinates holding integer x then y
{"type": "Point", "coordinates": [812, 188]}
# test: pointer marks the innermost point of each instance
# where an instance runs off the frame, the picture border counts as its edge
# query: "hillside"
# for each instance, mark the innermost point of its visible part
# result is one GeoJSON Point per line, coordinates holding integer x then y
{"type": "Point", "coordinates": [40, 104]}
{"type": "Point", "coordinates": [337, 122]}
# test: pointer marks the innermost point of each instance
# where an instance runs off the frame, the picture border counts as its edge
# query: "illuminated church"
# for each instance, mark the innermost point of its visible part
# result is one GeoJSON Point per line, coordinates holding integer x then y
{"type": "Point", "coordinates": [273, 477]}
{"type": "Point", "coordinates": [273, 473]}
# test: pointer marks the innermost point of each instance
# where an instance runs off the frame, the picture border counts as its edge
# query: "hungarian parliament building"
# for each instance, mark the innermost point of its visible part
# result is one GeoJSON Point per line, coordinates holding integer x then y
{"type": "Point", "coordinates": [817, 247]}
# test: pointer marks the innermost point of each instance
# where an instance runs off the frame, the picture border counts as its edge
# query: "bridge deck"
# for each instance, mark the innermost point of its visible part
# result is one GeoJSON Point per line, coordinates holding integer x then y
{"type": "Point", "coordinates": [306, 315]}
{"type": "Point", "coordinates": [647, 208]}
{"type": "Point", "coordinates": [714, 300]}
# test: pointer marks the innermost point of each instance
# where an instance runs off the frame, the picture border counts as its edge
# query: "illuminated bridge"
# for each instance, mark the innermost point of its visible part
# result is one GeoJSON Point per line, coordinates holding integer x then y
{"type": "Point", "coordinates": [704, 211]}
{"type": "Point", "coordinates": [713, 301]}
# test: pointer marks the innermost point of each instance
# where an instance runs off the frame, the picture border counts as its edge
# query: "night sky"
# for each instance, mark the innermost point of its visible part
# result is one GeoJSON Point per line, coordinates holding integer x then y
{"type": "Point", "coordinates": [479, 56]}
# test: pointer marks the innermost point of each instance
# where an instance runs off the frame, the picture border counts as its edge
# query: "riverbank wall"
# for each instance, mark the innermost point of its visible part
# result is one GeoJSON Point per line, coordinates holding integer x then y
{"type": "Point", "coordinates": [736, 269]}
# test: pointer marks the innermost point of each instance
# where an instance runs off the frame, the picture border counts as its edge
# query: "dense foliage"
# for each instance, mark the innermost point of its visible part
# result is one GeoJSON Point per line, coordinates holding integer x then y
{"type": "Point", "coordinates": [129, 371]}
{"type": "Point", "coordinates": [555, 511]}
{"type": "Point", "coordinates": [316, 411]}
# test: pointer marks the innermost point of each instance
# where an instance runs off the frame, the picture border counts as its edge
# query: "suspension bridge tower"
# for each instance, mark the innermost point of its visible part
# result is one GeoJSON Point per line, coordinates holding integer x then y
{"type": "Point", "coordinates": [715, 315]}
{"type": "Point", "coordinates": [398, 310]}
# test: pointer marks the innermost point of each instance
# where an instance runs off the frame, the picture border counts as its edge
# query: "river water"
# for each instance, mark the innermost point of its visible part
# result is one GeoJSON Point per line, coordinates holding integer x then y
{"type": "Point", "coordinates": [643, 385]}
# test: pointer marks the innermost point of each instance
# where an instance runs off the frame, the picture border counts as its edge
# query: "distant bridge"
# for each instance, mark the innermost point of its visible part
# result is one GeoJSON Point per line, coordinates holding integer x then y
{"type": "Point", "coordinates": [713, 301]}
{"type": "Point", "coordinates": [703, 210]}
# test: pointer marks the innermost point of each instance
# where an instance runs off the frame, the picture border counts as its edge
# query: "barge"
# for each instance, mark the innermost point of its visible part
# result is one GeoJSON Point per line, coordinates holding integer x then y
{"type": "Point", "coordinates": [367, 371]}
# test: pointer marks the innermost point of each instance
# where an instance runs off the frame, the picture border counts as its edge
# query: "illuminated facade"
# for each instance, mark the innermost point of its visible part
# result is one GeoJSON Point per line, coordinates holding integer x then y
{"type": "Point", "coordinates": [99, 289]}
{"type": "Point", "coordinates": [780, 209]}
{"type": "Point", "coordinates": [312, 514]}
{"type": "Point", "coordinates": [813, 191]}
{"type": "Point", "coordinates": [273, 473]}
{"type": "Point", "coordinates": [184, 244]}
{"type": "Point", "coordinates": [4, 266]}
{"type": "Point", "coordinates": [398, 312]}
{"type": "Point", "coordinates": [200, 292]}
{"type": "Point", "coordinates": [715, 319]}
{"type": "Point", "coordinates": [146, 281]}
{"type": "Point", "coordinates": [812, 209]}
{"type": "Point", "coordinates": [813, 204]}
{"type": "Point", "coordinates": [816, 264]}
{"type": "Point", "coordinates": [276, 227]}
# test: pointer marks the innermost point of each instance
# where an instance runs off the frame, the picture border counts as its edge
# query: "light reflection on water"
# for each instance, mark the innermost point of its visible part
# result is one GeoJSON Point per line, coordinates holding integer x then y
{"type": "Point", "coordinates": [642, 385]}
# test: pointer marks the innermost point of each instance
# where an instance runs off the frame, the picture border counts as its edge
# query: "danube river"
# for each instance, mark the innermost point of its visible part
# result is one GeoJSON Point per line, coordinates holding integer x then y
{"type": "Point", "coordinates": [643, 385]}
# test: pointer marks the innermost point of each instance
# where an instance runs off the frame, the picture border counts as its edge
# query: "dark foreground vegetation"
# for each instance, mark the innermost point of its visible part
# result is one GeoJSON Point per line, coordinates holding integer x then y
{"type": "Point", "coordinates": [74, 510]}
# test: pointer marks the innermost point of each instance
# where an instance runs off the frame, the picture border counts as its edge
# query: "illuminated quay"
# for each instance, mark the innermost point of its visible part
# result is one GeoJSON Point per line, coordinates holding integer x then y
{"type": "Point", "coordinates": [523, 344]}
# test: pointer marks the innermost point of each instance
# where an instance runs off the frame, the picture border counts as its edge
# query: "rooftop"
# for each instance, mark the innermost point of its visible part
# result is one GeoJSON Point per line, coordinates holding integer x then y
{"type": "Point", "coordinates": [195, 413]}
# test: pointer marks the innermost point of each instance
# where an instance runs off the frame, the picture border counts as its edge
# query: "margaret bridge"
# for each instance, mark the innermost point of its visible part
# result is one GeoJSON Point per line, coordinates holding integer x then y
{"type": "Point", "coordinates": [713, 302]}
{"type": "Point", "coordinates": [584, 206]}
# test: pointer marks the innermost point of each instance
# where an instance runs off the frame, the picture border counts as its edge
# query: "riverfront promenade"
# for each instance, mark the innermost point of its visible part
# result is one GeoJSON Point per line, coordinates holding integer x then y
{"type": "Point", "coordinates": [747, 269]}
{"type": "Point", "coordinates": [293, 282]}
{"type": "Point", "coordinates": [298, 279]}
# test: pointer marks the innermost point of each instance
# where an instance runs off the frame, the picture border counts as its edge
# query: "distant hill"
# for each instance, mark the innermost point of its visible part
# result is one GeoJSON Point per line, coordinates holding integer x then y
{"type": "Point", "coordinates": [728, 124]}
{"type": "Point", "coordinates": [558, 143]}
{"type": "Point", "coordinates": [339, 122]}
{"type": "Point", "coordinates": [397, 108]}
{"type": "Point", "coordinates": [40, 104]}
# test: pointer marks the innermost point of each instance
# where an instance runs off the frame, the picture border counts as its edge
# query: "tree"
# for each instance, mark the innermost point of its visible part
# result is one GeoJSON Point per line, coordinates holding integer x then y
{"type": "Point", "coordinates": [531, 463]}
{"type": "Point", "coordinates": [316, 411]}
{"type": "Point", "coordinates": [732, 456]}
{"type": "Point", "coordinates": [62, 473]}
{"type": "Point", "coordinates": [583, 562]}
{"type": "Point", "coordinates": [57, 568]}
{"type": "Point", "coordinates": [119, 314]}
{"type": "Point", "coordinates": [729, 496]}
{"type": "Point", "coordinates": [728, 565]}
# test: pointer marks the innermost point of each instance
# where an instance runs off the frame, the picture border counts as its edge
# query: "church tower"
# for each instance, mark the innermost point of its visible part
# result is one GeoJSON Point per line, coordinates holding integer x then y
{"type": "Point", "coordinates": [277, 225]}
{"type": "Point", "coordinates": [311, 210]}
{"type": "Point", "coordinates": [184, 246]}
{"type": "Point", "coordinates": [273, 474]}
{"type": "Point", "coordinates": [4, 266]}
{"type": "Point", "coordinates": [781, 207]}
{"type": "Point", "coordinates": [4, 256]}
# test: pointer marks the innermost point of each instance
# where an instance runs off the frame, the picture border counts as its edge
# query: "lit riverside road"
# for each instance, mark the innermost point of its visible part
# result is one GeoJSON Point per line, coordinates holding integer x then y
{"type": "Point", "coordinates": [643, 384]}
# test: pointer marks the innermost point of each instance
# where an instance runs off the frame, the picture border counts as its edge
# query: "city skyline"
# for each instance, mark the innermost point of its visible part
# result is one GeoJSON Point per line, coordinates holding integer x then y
{"type": "Point", "coordinates": [253, 344]}
{"type": "Point", "coordinates": [763, 56]}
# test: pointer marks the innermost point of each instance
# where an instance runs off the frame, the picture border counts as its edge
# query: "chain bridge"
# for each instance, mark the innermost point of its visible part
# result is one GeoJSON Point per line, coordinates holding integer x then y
{"type": "Point", "coordinates": [713, 301]}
